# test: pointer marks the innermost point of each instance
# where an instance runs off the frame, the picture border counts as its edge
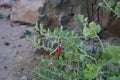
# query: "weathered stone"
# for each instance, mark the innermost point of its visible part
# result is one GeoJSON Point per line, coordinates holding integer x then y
{"type": "Point", "coordinates": [61, 3]}
{"type": "Point", "coordinates": [114, 28]}
{"type": "Point", "coordinates": [75, 2]}
{"type": "Point", "coordinates": [49, 21]}
{"type": "Point", "coordinates": [56, 12]}
{"type": "Point", "coordinates": [7, 3]}
{"type": "Point", "coordinates": [24, 78]}
{"type": "Point", "coordinates": [65, 19]}
{"type": "Point", "coordinates": [5, 13]}
{"type": "Point", "coordinates": [61, 12]}
{"type": "Point", "coordinates": [26, 11]}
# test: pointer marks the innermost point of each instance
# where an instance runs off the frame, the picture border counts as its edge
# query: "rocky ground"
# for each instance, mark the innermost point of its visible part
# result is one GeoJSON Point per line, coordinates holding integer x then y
{"type": "Point", "coordinates": [16, 54]}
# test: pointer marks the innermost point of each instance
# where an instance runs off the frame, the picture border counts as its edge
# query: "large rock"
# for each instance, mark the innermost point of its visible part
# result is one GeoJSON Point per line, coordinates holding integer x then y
{"type": "Point", "coordinates": [62, 12]}
{"type": "Point", "coordinates": [26, 11]}
{"type": "Point", "coordinates": [7, 3]}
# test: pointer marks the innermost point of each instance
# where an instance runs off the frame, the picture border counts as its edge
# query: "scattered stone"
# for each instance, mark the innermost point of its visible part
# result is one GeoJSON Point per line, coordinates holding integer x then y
{"type": "Point", "coordinates": [1, 16]}
{"type": "Point", "coordinates": [75, 2]}
{"type": "Point", "coordinates": [23, 36]}
{"type": "Point", "coordinates": [3, 37]}
{"type": "Point", "coordinates": [61, 3]}
{"type": "Point", "coordinates": [19, 46]}
{"type": "Point", "coordinates": [17, 52]}
{"type": "Point", "coordinates": [64, 20]}
{"type": "Point", "coordinates": [24, 78]}
{"type": "Point", "coordinates": [4, 13]}
{"type": "Point", "coordinates": [7, 3]}
{"type": "Point", "coordinates": [7, 43]}
{"type": "Point", "coordinates": [22, 69]}
{"type": "Point", "coordinates": [4, 75]}
{"type": "Point", "coordinates": [27, 32]}
{"type": "Point", "coordinates": [5, 67]}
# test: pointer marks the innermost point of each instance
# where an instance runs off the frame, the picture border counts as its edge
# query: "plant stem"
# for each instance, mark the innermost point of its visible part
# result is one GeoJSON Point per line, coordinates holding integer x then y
{"type": "Point", "coordinates": [110, 7]}
{"type": "Point", "coordinates": [89, 56]}
{"type": "Point", "coordinates": [100, 42]}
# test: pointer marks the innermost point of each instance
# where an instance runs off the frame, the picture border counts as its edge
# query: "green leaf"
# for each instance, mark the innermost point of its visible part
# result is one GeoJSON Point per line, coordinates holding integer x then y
{"type": "Point", "coordinates": [108, 8]}
{"type": "Point", "coordinates": [82, 57]}
{"type": "Point", "coordinates": [56, 31]}
{"type": "Point", "coordinates": [77, 41]}
{"type": "Point", "coordinates": [100, 3]}
{"type": "Point", "coordinates": [75, 58]}
{"type": "Point", "coordinates": [114, 71]}
{"type": "Point", "coordinates": [92, 25]}
{"type": "Point", "coordinates": [67, 76]}
{"type": "Point", "coordinates": [113, 78]}
{"type": "Point", "coordinates": [111, 3]}
{"type": "Point", "coordinates": [117, 10]}
{"type": "Point", "coordinates": [68, 55]}
{"type": "Point", "coordinates": [98, 28]}
{"type": "Point", "coordinates": [106, 57]}
{"type": "Point", "coordinates": [80, 17]}
{"type": "Point", "coordinates": [36, 27]}
{"type": "Point", "coordinates": [86, 32]}
{"type": "Point", "coordinates": [112, 53]}
{"type": "Point", "coordinates": [91, 71]}
{"type": "Point", "coordinates": [118, 4]}
{"type": "Point", "coordinates": [74, 74]}
{"type": "Point", "coordinates": [94, 29]}
{"type": "Point", "coordinates": [86, 19]}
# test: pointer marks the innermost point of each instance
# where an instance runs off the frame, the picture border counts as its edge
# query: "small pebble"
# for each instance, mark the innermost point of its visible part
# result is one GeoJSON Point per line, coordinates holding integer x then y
{"type": "Point", "coordinates": [23, 36]}
{"type": "Point", "coordinates": [19, 45]}
{"type": "Point", "coordinates": [3, 37]}
{"type": "Point", "coordinates": [17, 52]}
{"type": "Point", "coordinates": [7, 43]}
{"type": "Point", "coordinates": [24, 78]}
{"type": "Point", "coordinates": [27, 32]}
{"type": "Point", "coordinates": [5, 67]}
{"type": "Point", "coordinates": [22, 69]}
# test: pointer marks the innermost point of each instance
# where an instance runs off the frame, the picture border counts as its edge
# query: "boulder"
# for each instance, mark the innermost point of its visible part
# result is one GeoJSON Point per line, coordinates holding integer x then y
{"type": "Point", "coordinates": [26, 11]}
{"type": "Point", "coordinates": [7, 3]}
{"type": "Point", "coordinates": [59, 12]}
{"type": "Point", "coordinates": [53, 13]}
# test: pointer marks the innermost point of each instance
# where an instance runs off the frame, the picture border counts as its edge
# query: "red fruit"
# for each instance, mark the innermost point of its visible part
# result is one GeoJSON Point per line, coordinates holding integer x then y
{"type": "Point", "coordinates": [59, 50]}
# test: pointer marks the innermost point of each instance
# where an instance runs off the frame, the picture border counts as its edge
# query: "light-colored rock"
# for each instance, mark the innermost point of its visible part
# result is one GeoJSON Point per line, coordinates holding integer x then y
{"type": "Point", "coordinates": [7, 3]}
{"type": "Point", "coordinates": [5, 12]}
{"type": "Point", "coordinates": [26, 11]}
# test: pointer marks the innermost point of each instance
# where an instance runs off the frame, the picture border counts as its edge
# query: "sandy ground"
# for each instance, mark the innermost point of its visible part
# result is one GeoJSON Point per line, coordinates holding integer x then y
{"type": "Point", "coordinates": [16, 54]}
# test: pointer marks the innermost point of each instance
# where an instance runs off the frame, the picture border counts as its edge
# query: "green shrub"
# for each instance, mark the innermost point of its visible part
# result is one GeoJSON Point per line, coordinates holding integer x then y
{"type": "Point", "coordinates": [76, 62]}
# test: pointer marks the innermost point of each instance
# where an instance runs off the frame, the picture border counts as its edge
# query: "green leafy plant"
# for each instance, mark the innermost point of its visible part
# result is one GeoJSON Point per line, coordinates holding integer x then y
{"type": "Point", "coordinates": [76, 62]}
{"type": "Point", "coordinates": [111, 5]}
